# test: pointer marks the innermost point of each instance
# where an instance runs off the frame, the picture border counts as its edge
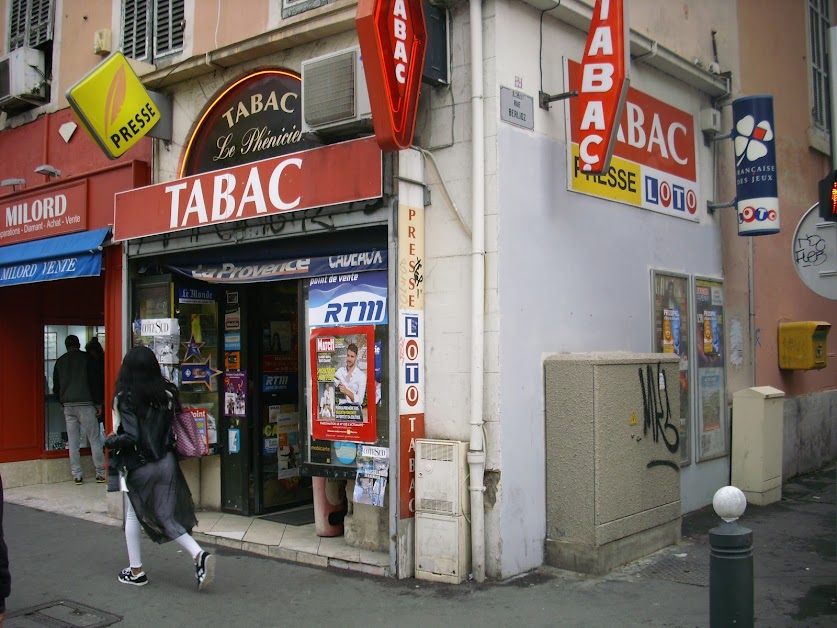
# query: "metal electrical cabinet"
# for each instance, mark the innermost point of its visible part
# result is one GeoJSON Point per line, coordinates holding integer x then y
{"type": "Point", "coordinates": [758, 428]}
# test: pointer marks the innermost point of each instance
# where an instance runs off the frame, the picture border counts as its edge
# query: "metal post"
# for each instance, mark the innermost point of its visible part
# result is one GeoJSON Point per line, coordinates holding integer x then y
{"type": "Point", "coordinates": [730, 563]}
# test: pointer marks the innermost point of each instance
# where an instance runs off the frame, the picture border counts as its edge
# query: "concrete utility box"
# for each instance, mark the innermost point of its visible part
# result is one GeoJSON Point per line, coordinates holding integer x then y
{"type": "Point", "coordinates": [612, 458]}
{"type": "Point", "coordinates": [757, 431]}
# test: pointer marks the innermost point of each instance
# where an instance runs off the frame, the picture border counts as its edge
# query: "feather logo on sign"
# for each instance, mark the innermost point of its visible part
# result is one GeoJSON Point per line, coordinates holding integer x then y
{"type": "Point", "coordinates": [115, 97]}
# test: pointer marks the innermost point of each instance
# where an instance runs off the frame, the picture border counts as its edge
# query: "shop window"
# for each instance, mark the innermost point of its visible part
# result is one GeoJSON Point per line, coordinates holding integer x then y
{"type": "Point", "coordinates": [55, 431]}
{"type": "Point", "coordinates": [819, 22]}
{"type": "Point", "coordinates": [294, 7]}
{"type": "Point", "coordinates": [30, 23]}
{"type": "Point", "coordinates": [152, 28]}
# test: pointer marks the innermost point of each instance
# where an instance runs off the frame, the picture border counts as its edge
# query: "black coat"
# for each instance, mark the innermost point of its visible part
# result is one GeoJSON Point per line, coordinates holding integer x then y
{"type": "Point", "coordinates": [5, 577]}
{"type": "Point", "coordinates": [141, 440]}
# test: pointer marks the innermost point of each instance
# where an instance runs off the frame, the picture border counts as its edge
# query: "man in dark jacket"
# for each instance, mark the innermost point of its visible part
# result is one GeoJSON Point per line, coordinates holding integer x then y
{"type": "Point", "coordinates": [71, 385]}
{"type": "Point", "coordinates": [5, 578]}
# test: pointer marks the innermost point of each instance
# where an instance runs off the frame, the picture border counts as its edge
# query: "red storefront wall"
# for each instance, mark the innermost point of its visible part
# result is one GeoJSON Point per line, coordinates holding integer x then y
{"type": "Point", "coordinates": [25, 309]}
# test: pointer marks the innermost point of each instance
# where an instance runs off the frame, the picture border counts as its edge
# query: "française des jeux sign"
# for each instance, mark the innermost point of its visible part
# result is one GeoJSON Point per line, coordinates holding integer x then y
{"type": "Point", "coordinates": [256, 117]}
{"type": "Point", "coordinates": [604, 84]}
{"type": "Point", "coordinates": [318, 177]}
{"type": "Point", "coordinates": [60, 210]}
{"type": "Point", "coordinates": [393, 40]}
{"type": "Point", "coordinates": [654, 156]}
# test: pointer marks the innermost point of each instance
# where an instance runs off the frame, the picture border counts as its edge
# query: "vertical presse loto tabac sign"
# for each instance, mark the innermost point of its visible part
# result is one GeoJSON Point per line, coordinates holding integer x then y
{"type": "Point", "coordinates": [604, 84]}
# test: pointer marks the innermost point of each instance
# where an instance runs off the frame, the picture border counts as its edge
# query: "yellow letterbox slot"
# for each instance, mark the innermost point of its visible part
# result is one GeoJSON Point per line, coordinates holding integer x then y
{"type": "Point", "coordinates": [803, 345]}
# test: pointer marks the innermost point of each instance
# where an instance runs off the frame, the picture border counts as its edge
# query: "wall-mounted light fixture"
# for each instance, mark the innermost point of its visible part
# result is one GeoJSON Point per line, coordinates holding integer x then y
{"type": "Point", "coordinates": [48, 171]}
{"type": "Point", "coordinates": [13, 183]}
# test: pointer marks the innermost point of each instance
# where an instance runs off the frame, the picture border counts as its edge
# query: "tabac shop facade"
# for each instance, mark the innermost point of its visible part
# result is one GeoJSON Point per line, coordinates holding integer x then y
{"type": "Point", "coordinates": [258, 277]}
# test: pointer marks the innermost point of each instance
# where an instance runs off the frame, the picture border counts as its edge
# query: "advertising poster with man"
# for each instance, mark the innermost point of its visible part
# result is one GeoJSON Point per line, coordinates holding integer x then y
{"type": "Point", "coordinates": [343, 377]}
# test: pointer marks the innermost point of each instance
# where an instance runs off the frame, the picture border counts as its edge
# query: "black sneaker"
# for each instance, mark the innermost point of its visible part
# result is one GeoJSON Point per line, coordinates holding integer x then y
{"type": "Point", "coordinates": [127, 576]}
{"type": "Point", "coordinates": [100, 479]}
{"type": "Point", "coordinates": [77, 481]}
{"type": "Point", "coordinates": [205, 570]}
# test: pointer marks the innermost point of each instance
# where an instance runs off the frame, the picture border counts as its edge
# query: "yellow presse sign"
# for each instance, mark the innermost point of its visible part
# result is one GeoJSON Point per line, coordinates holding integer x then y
{"type": "Point", "coordinates": [620, 183]}
{"type": "Point", "coordinates": [113, 105]}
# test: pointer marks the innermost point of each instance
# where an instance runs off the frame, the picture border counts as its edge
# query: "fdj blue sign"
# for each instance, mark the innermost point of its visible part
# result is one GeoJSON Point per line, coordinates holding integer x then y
{"type": "Point", "coordinates": [757, 195]}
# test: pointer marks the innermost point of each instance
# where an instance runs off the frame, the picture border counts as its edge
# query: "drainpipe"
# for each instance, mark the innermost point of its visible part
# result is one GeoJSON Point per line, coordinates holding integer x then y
{"type": "Point", "coordinates": [476, 447]}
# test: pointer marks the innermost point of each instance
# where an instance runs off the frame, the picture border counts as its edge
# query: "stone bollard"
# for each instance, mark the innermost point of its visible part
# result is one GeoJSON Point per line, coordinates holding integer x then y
{"type": "Point", "coordinates": [730, 563]}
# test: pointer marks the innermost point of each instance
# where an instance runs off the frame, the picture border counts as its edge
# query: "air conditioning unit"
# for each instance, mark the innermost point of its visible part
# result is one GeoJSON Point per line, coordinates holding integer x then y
{"type": "Point", "coordinates": [334, 96]}
{"type": "Point", "coordinates": [441, 477]}
{"type": "Point", "coordinates": [22, 79]}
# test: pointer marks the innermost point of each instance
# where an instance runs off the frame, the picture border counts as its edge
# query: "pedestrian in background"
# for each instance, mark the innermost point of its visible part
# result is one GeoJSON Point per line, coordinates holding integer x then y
{"type": "Point", "coordinates": [157, 496]}
{"type": "Point", "coordinates": [71, 386]}
{"type": "Point", "coordinates": [96, 374]}
{"type": "Point", "coordinates": [5, 577]}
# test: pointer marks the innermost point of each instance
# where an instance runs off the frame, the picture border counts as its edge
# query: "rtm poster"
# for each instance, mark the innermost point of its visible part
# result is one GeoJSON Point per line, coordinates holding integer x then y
{"type": "Point", "coordinates": [343, 378]}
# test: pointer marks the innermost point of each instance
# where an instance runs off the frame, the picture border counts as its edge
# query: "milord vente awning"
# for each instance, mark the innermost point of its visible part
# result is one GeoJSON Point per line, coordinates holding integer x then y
{"type": "Point", "coordinates": [62, 257]}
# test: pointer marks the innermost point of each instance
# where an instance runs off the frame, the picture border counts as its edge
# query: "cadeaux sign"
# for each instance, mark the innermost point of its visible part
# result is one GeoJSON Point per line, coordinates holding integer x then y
{"type": "Point", "coordinates": [605, 68]}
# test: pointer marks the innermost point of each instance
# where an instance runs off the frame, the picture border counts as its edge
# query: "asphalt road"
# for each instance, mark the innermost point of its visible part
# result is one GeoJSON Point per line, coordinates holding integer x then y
{"type": "Point", "coordinates": [58, 558]}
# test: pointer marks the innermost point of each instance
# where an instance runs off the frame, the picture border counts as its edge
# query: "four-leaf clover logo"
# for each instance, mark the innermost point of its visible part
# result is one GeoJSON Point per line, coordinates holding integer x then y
{"type": "Point", "coordinates": [750, 138]}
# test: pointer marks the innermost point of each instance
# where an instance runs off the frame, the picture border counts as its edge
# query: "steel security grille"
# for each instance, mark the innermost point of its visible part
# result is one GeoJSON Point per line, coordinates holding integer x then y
{"type": "Point", "coordinates": [30, 23]}
{"type": "Point", "coordinates": [819, 21]}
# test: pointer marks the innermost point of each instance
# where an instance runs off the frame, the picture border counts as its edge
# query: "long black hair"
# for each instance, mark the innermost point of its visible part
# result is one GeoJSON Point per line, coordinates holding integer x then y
{"type": "Point", "coordinates": [140, 382]}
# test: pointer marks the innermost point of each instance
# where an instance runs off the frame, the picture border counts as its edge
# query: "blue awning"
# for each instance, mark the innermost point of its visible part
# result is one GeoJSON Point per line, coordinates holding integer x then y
{"type": "Point", "coordinates": [62, 257]}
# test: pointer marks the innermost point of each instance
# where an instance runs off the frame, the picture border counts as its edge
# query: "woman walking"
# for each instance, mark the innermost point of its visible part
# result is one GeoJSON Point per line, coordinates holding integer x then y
{"type": "Point", "coordinates": [158, 497]}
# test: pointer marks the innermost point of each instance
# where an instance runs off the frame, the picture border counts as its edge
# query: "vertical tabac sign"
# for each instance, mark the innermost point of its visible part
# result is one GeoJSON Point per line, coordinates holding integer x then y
{"type": "Point", "coordinates": [604, 84]}
{"type": "Point", "coordinates": [393, 39]}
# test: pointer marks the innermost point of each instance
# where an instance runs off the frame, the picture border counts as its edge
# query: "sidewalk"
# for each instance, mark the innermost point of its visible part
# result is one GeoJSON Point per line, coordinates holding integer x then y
{"type": "Point", "coordinates": [255, 535]}
{"type": "Point", "coordinates": [794, 564]}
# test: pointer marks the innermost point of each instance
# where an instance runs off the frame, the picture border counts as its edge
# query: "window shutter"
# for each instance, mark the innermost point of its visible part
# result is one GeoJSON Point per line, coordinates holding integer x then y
{"type": "Point", "coordinates": [17, 24]}
{"type": "Point", "coordinates": [40, 17]}
{"type": "Point", "coordinates": [135, 29]}
{"type": "Point", "coordinates": [819, 22]}
{"type": "Point", "coordinates": [169, 20]}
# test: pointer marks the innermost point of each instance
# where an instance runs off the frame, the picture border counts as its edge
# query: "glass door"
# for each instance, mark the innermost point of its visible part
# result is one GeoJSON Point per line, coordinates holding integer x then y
{"type": "Point", "coordinates": [277, 408]}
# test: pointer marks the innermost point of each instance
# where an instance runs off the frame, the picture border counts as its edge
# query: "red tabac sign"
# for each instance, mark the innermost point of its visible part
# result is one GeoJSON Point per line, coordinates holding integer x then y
{"type": "Point", "coordinates": [329, 175]}
{"type": "Point", "coordinates": [60, 209]}
{"type": "Point", "coordinates": [393, 40]}
{"type": "Point", "coordinates": [604, 84]}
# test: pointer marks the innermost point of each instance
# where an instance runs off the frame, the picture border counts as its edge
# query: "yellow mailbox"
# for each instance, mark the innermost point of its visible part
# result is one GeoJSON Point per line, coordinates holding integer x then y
{"type": "Point", "coordinates": [802, 345]}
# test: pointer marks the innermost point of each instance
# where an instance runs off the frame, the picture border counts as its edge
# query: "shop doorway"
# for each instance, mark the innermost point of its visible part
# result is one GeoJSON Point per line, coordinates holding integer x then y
{"type": "Point", "coordinates": [55, 430]}
{"type": "Point", "coordinates": [263, 404]}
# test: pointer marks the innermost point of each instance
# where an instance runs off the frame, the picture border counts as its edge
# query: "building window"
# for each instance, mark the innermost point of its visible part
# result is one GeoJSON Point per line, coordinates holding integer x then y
{"type": "Point", "coordinates": [152, 28]}
{"type": "Point", "coordinates": [819, 21]}
{"type": "Point", "coordinates": [30, 23]}
{"type": "Point", "coordinates": [294, 7]}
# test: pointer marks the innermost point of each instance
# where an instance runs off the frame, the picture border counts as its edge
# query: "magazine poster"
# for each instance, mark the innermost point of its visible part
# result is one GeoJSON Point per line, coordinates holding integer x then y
{"type": "Point", "coordinates": [343, 378]}
{"type": "Point", "coordinates": [205, 422]}
{"type": "Point", "coordinates": [162, 336]}
{"type": "Point", "coordinates": [235, 393]}
{"type": "Point", "coordinates": [281, 439]}
{"type": "Point", "coordinates": [372, 474]}
{"type": "Point", "coordinates": [711, 375]}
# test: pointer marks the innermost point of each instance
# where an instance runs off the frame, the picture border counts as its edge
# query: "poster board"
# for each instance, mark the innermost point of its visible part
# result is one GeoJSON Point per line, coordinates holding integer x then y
{"type": "Point", "coordinates": [671, 328]}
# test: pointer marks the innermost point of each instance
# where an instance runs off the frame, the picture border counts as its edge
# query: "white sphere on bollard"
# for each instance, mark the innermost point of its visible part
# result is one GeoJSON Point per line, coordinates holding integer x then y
{"type": "Point", "coordinates": [729, 503]}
